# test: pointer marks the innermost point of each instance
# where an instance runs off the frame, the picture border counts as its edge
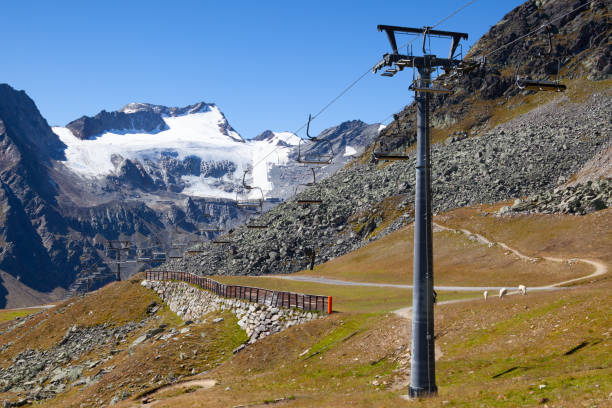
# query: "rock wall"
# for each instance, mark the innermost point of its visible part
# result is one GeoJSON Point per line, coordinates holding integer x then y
{"type": "Point", "coordinates": [259, 321]}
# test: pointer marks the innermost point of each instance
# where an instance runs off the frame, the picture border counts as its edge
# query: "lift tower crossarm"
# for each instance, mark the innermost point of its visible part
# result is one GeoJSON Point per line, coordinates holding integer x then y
{"type": "Point", "coordinates": [391, 30]}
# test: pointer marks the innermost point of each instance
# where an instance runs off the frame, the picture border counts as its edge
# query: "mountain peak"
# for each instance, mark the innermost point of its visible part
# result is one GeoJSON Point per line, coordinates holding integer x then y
{"type": "Point", "coordinates": [138, 117]}
{"type": "Point", "coordinates": [199, 107]}
{"type": "Point", "coordinates": [286, 139]}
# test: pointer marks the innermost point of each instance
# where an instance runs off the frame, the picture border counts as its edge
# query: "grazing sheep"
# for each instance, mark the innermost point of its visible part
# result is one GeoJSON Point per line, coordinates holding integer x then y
{"type": "Point", "coordinates": [486, 294]}
{"type": "Point", "coordinates": [522, 289]}
{"type": "Point", "coordinates": [502, 292]}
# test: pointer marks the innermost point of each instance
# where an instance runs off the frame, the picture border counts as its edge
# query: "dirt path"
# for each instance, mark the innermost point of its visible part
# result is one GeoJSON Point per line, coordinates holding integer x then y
{"type": "Point", "coordinates": [600, 269]}
{"type": "Point", "coordinates": [150, 400]}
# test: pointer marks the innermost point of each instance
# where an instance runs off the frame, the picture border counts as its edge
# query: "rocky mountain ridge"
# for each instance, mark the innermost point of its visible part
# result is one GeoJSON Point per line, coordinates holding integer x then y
{"type": "Point", "coordinates": [582, 48]}
{"type": "Point", "coordinates": [57, 221]}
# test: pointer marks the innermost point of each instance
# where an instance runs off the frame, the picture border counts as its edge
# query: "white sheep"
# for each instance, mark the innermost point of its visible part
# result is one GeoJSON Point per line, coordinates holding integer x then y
{"type": "Point", "coordinates": [522, 289]}
{"type": "Point", "coordinates": [502, 292]}
{"type": "Point", "coordinates": [486, 294]}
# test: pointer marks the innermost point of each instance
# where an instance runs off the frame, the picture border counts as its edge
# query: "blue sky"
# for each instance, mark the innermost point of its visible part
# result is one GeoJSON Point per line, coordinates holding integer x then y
{"type": "Point", "coordinates": [267, 64]}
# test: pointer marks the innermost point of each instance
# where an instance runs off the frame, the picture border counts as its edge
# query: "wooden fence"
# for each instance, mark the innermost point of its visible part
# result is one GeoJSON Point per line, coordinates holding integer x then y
{"type": "Point", "coordinates": [268, 297]}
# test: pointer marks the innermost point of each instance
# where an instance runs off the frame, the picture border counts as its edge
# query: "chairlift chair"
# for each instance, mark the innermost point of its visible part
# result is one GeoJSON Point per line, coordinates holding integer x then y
{"type": "Point", "coordinates": [257, 208]}
{"type": "Point", "coordinates": [221, 241]}
{"type": "Point", "coordinates": [539, 85]}
{"type": "Point", "coordinates": [308, 200]}
{"type": "Point", "coordinates": [226, 240]}
{"type": "Point", "coordinates": [390, 155]}
{"type": "Point", "coordinates": [253, 225]}
{"type": "Point", "coordinates": [543, 85]}
{"type": "Point", "coordinates": [433, 89]}
{"type": "Point", "coordinates": [209, 228]}
{"type": "Point", "coordinates": [317, 159]}
{"type": "Point", "coordinates": [244, 200]}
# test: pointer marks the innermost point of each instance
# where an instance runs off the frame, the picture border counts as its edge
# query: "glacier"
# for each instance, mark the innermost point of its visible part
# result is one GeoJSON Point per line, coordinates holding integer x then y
{"type": "Point", "coordinates": [198, 134]}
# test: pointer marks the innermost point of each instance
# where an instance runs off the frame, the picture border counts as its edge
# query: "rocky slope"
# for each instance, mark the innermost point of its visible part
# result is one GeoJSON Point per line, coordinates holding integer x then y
{"type": "Point", "coordinates": [528, 155]}
{"type": "Point", "coordinates": [582, 48]}
{"type": "Point", "coordinates": [579, 199]}
{"type": "Point", "coordinates": [480, 161]}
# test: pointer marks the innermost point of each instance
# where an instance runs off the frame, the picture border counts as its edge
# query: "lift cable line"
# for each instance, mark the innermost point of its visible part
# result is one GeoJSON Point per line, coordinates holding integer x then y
{"type": "Point", "coordinates": [543, 27]}
{"type": "Point", "coordinates": [357, 80]}
{"type": "Point", "coordinates": [422, 367]}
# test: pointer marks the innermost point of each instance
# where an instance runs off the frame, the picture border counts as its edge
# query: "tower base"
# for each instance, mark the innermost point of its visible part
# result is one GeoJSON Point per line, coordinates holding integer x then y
{"type": "Point", "coordinates": [422, 392]}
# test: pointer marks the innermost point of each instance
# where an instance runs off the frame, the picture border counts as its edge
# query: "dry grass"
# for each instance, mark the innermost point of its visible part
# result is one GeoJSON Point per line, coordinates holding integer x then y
{"type": "Point", "coordinates": [333, 362]}
{"type": "Point", "coordinates": [460, 261]}
{"type": "Point", "coordinates": [129, 303]}
{"type": "Point", "coordinates": [11, 314]}
{"type": "Point", "coordinates": [132, 369]}
{"type": "Point", "coordinates": [566, 236]}
{"type": "Point", "coordinates": [494, 353]}
{"type": "Point", "coordinates": [138, 370]}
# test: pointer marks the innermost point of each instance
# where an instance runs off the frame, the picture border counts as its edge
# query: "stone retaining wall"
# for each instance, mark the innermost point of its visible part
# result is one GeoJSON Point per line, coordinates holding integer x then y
{"type": "Point", "coordinates": [259, 321]}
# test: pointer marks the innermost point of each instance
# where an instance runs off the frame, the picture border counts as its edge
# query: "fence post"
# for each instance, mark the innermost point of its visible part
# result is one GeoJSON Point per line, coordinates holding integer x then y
{"type": "Point", "coordinates": [329, 305]}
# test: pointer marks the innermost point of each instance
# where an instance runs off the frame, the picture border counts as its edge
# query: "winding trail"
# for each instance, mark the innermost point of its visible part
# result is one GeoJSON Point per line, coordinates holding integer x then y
{"type": "Point", "coordinates": [600, 269]}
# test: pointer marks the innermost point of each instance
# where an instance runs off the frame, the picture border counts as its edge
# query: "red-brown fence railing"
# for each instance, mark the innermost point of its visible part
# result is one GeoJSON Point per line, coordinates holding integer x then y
{"type": "Point", "coordinates": [268, 297]}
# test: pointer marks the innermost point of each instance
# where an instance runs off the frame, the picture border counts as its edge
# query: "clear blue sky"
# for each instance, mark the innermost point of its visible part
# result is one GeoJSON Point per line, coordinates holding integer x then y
{"type": "Point", "coordinates": [266, 64]}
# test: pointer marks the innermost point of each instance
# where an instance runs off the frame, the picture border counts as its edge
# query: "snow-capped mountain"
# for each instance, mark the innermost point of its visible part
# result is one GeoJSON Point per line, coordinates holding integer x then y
{"type": "Point", "coordinates": [191, 150]}
{"type": "Point", "coordinates": [194, 151]}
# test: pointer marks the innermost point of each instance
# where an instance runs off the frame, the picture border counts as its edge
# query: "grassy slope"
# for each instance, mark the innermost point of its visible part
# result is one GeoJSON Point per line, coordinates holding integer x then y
{"type": "Point", "coordinates": [11, 314]}
{"type": "Point", "coordinates": [117, 304]}
{"type": "Point", "coordinates": [567, 236]}
{"type": "Point", "coordinates": [334, 362]}
{"type": "Point", "coordinates": [494, 353]}
{"type": "Point", "coordinates": [462, 262]}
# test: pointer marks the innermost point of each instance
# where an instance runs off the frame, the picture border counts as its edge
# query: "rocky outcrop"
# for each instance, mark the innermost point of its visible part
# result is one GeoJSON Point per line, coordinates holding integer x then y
{"type": "Point", "coordinates": [31, 217]}
{"type": "Point", "coordinates": [258, 320]}
{"type": "Point", "coordinates": [42, 374]}
{"type": "Point", "coordinates": [580, 199]}
{"type": "Point", "coordinates": [582, 48]}
{"type": "Point", "coordinates": [119, 122]}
